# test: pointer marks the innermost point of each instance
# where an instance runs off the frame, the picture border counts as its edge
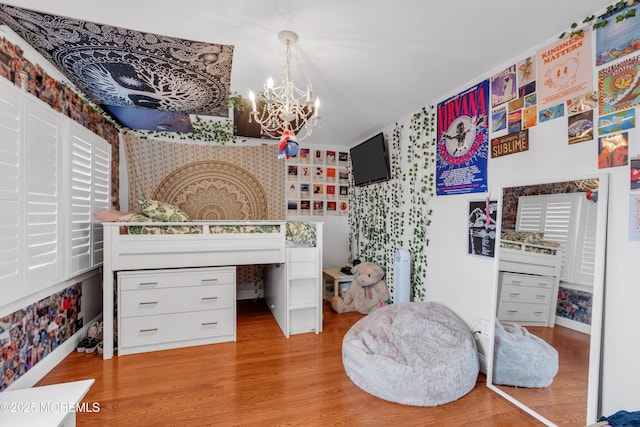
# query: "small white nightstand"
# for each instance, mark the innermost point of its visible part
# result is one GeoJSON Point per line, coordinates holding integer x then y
{"type": "Point", "coordinates": [340, 281]}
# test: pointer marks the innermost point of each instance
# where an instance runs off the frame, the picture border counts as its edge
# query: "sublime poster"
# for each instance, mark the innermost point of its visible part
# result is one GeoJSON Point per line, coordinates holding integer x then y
{"type": "Point", "coordinates": [463, 142]}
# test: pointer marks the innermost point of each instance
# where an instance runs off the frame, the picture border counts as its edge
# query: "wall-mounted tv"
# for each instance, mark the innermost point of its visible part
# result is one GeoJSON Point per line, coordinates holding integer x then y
{"type": "Point", "coordinates": [370, 161]}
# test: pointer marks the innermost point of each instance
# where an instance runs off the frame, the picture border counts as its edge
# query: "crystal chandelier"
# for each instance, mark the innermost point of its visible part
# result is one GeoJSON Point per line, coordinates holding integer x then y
{"type": "Point", "coordinates": [285, 107]}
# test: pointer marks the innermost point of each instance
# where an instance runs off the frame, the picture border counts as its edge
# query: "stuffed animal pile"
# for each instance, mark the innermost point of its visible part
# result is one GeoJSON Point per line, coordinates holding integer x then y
{"type": "Point", "coordinates": [367, 291]}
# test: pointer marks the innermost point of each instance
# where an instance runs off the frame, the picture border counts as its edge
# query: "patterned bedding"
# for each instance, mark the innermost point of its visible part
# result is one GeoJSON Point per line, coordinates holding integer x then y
{"type": "Point", "coordinates": [527, 241]}
{"type": "Point", "coordinates": [297, 234]}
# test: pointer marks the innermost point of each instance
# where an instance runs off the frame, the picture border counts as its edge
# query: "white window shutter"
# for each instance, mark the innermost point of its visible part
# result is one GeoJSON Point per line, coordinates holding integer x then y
{"type": "Point", "coordinates": [101, 193]}
{"type": "Point", "coordinates": [11, 235]}
{"type": "Point", "coordinates": [42, 192]}
{"type": "Point", "coordinates": [89, 183]}
{"type": "Point", "coordinates": [79, 185]}
{"type": "Point", "coordinates": [54, 174]}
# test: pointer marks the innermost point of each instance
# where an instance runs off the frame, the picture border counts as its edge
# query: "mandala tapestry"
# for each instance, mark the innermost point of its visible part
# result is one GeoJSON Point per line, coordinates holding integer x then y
{"type": "Point", "coordinates": [121, 67]}
{"type": "Point", "coordinates": [207, 182]}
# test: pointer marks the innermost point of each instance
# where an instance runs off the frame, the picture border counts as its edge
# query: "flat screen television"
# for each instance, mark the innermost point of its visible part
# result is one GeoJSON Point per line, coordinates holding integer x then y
{"type": "Point", "coordinates": [370, 161]}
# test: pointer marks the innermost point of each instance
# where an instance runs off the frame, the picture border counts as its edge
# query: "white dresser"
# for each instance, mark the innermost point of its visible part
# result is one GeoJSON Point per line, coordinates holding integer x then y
{"type": "Point", "coordinates": [527, 298]}
{"type": "Point", "coordinates": [172, 308]}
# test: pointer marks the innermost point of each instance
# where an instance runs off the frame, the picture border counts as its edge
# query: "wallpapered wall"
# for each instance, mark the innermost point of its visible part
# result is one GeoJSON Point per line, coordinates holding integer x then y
{"type": "Point", "coordinates": [28, 335]}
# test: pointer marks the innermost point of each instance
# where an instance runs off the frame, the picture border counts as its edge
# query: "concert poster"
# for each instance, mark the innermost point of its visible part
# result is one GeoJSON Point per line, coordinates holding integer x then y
{"type": "Point", "coordinates": [463, 142]}
{"type": "Point", "coordinates": [482, 227]}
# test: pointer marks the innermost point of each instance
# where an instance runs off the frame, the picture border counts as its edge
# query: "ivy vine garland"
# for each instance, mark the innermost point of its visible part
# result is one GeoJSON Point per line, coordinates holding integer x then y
{"type": "Point", "coordinates": [611, 9]}
{"type": "Point", "coordinates": [213, 131]}
{"type": "Point", "coordinates": [378, 216]}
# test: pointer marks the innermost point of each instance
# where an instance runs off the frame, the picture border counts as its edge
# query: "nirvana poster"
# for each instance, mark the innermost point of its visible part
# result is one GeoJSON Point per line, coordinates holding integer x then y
{"type": "Point", "coordinates": [463, 142]}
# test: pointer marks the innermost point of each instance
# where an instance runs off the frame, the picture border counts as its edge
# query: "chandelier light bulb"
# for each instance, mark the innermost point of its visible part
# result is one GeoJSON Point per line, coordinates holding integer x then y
{"type": "Point", "coordinates": [252, 98]}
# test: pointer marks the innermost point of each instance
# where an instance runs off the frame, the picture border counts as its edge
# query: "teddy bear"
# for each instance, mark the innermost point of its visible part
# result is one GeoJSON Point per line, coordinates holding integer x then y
{"type": "Point", "coordinates": [366, 292]}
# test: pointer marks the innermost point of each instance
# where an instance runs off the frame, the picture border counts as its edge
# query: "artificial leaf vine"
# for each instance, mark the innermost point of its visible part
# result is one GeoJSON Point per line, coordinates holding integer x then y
{"type": "Point", "coordinates": [212, 131]}
{"type": "Point", "coordinates": [622, 7]}
{"type": "Point", "coordinates": [387, 216]}
{"type": "Point", "coordinates": [421, 182]}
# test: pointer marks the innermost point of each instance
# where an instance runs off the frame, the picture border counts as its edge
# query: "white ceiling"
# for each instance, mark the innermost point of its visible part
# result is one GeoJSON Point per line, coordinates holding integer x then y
{"type": "Point", "coordinates": [371, 62]}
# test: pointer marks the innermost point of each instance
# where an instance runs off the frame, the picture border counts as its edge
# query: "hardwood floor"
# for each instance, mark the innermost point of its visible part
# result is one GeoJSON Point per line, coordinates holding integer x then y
{"type": "Point", "coordinates": [262, 379]}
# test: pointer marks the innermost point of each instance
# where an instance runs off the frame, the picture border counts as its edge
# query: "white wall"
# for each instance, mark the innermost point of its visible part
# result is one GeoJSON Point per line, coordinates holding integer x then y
{"type": "Point", "coordinates": [466, 283]}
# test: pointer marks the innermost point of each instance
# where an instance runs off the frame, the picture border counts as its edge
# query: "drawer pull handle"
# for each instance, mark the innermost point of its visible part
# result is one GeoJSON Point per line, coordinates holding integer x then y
{"type": "Point", "coordinates": [542, 284]}
{"type": "Point", "coordinates": [148, 284]}
{"type": "Point", "coordinates": [512, 311]}
{"type": "Point", "coordinates": [516, 282]}
{"type": "Point", "coordinates": [209, 323]}
{"type": "Point", "coordinates": [541, 296]}
{"type": "Point", "coordinates": [148, 303]}
{"type": "Point", "coordinates": [142, 331]}
{"type": "Point", "coordinates": [537, 312]}
{"type": "Point", "coordinates": [209, 281]}
{"type": "Point", "coordinates": [514, 294]}
{"type": "Point", "coordinates": [209, 298]}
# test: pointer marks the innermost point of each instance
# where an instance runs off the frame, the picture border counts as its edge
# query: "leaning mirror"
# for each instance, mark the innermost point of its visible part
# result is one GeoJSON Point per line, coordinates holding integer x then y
{"type": "Point", "coordinates": [545, 352]}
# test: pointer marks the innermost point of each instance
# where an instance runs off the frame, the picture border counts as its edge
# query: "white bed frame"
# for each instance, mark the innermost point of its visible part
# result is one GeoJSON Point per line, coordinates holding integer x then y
{"type": "Point", "coordinates": [154, 251]}
{"type": "Point", "coordinates": [523, 261]}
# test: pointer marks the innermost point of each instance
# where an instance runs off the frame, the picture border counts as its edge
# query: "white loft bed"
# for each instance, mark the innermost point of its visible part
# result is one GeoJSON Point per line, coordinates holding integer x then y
{"type": "Point", "coordinates": [530, 258]}
{"type": "Point", "coordinates": [123, 251]}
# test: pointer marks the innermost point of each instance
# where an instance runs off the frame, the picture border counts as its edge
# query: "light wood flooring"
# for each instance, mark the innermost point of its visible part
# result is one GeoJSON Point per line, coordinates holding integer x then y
{"type": "Point", "coordinates": [262, 379]}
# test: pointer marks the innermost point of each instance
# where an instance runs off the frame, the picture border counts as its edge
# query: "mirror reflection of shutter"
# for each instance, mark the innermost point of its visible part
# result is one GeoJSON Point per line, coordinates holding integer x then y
{"type": "Point", "coordinates": [11, 235]}
{"type": "Point", "coordinates": [553, 215]}
{"type": "Point", "coordinates": [585, 267]}
{"type": "Point", "coordinates": [42, 192]}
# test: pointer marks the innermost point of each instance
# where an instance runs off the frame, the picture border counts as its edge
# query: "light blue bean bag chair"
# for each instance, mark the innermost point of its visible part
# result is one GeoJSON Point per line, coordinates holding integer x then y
{"type": "Point", "coordinates": [419, 354]}
{"type": "Point", "coordinates": [522, 359]}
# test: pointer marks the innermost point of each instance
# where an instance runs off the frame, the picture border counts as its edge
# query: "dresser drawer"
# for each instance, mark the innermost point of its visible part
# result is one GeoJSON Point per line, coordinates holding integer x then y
{"type": "Point", "coordinates": [145, 330]}
{"type": "Point", "coordinates": [521, 312]}
{"type": "Point", "coordinates": [527, 280]}
{"type": "Point", "coordinates": [154, 279]}
{"type": "Point", "coordinates": [527, 294]}
{"type": "Point", "coordinates": [175, 300]}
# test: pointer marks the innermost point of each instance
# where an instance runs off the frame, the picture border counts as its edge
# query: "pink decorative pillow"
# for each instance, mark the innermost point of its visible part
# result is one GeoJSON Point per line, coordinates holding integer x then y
{"type": "Point", "coordinates": [109, 216]}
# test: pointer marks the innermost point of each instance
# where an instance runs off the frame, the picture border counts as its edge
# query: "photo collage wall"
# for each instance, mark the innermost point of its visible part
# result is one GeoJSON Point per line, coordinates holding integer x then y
{"type": "Point", "coordinates": [29, 334]}
{"type": "Point", "coordinates": [318, 183]}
